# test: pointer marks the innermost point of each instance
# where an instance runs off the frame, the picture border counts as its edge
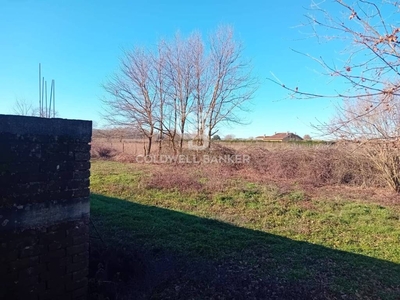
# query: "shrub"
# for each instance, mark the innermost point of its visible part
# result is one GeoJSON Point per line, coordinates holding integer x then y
{"type": "Point", "coordinates": [103, 152]}
{"type": "Point", "coordinates": [317, 165]}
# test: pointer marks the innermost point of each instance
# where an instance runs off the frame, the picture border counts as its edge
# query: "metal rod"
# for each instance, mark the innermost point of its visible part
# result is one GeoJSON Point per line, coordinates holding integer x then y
{"type": "Point", "coordinates": [47, 106]}
{"type": "Point", "coordinates": [45, 84]}
{"type": "Point", "coordinates": [51, 97]}
{"type": "Point", "coordinates": [54, 98]}
{"type": "Point", "coordinates": [40, 86]}
{"type": "Point", "coordinates": [41, 109]}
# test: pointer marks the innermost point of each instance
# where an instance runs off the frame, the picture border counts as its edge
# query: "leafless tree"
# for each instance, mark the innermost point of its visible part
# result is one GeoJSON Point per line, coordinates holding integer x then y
{"type": "Point", "coordinates": [232, 84]}
{"type": "Point", "coordinates": [24, 108]}
{"type": "Point", "coordinates": [133, 96]}
{"type": "Point", "coordinates": [369, 66]}
{"type": "Point", "coordinates": [201, 84]}
{"type": "Point", "coordinates": [179, 72]}
{"type": "Point", "coordinates": [359, 120]}
{"type": "Point", "coordinates": [374, 135]}
{"type": "Point", "coordinates": [167, 112]}
{"type": "Point", "coordinates": [370, 62]}
{"type": "Point", "coordinates": [161, 89]}
{"type": "Point", "coordinates": [184, 85]}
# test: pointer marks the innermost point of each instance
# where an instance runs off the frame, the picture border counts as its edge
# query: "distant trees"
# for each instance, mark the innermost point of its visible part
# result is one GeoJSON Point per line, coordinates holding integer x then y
{"type": "Point", "coordinates": [216, 137]}
{"type": "Point", "coordinates": [229, 137]}
{"type": "Point", "coordinates": [24, 108]}
{"type": "Point", "coordinates": [116, 133]}
{"type": "Point", "coordinates": [185, 85]}
{"type": "Point", "coordinates": [307, 137]}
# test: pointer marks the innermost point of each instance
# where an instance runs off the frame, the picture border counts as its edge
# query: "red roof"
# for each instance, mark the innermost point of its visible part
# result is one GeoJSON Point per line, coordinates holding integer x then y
{"type": "Point", "coordinates": [279, 136]}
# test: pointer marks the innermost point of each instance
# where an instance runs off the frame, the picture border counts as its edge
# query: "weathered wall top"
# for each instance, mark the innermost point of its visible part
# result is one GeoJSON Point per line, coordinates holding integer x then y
{"type": "Point", "coordinates": [22, 125]}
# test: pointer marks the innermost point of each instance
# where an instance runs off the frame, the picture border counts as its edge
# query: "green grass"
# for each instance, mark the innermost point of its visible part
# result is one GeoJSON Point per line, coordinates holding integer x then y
{"type": "Point", "coordinates": [336, 245]}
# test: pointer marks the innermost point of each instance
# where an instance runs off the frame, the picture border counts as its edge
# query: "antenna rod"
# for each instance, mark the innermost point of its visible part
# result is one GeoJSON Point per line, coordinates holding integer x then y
{"type": "Point", "coordinates": [54, 98]}
{"type": "Point", "coordinates": [40, 86]}
{"type": "Point", "coordinates": [51, 97]}
{"type": "Point", "coordinates": [47, 106]}
{"type": "Point", "coordinates": [41, 109]}
{"type": "Point", "coordinates": [45, 84]}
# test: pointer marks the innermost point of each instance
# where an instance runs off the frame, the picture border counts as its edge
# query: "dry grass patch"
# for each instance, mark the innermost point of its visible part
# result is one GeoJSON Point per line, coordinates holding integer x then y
{"type": "Point", "coordinates": [317, 166]}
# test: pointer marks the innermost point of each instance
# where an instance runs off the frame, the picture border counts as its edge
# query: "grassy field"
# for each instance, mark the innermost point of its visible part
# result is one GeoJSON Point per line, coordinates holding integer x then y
{"type": "Point", "coordinates": [198, 232]}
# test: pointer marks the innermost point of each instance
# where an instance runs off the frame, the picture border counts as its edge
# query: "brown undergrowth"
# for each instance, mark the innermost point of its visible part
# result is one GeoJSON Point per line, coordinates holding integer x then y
{"type": "Point", "coordinates": [327, 167]}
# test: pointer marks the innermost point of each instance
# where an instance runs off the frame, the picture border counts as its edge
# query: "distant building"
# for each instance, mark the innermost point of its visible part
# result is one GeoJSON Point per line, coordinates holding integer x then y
{"type": "Point", "coordinates": [280, 137]}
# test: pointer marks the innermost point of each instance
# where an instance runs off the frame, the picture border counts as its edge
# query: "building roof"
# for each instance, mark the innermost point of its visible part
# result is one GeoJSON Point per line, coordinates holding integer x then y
{"type": "Point", "coordinates": [279, 136]}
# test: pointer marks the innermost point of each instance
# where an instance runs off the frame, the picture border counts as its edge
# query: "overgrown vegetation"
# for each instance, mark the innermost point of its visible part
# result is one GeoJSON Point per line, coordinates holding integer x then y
{"type": "Point", "coordinates": [317, 164]}
{"type": "Point", "coordinates": [224, 231]}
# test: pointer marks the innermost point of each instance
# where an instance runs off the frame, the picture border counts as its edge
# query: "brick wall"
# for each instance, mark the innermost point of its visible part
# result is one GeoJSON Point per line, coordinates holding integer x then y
{"type": "Point", "coordinates": [44, 207]}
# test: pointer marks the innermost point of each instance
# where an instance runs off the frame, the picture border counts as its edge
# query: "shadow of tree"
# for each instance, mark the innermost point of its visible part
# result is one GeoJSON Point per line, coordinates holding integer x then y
{"type": "Point", "coordinates": [154, 253]}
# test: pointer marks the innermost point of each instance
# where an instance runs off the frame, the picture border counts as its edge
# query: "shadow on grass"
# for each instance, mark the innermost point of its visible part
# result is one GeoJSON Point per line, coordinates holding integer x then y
{"type": "Point", "coordinates": [154, 253]}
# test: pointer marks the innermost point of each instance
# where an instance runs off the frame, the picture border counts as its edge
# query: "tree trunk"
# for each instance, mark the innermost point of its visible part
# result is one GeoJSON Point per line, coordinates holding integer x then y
{"type": "Point", "coordinates": [209, 137]}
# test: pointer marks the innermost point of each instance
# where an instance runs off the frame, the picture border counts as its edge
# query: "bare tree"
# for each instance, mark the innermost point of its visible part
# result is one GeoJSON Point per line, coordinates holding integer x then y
{"type": "Point", "coordinates": [160, 83]}
{"type": "Point", "coordinates": [133, 95]}
{"type": "Point", "coordinates": [24, 108]}
{"type": "Point", "coordinates": [370, 62]}
{"type": "Point", "coordinates": [168, 107]}
{"type": "Point", "coordinates": [369, 66]}
{"type": "Point", "coordinates": [232, 84]}
{"type": "Point", "coordinates": [376, 135]}
{"type": "Point", "coordinates": [181, 87]}
{"type": "Point", "coordinates": [359, 120]}
{"type": "Point", "coordinates": [201, 84]}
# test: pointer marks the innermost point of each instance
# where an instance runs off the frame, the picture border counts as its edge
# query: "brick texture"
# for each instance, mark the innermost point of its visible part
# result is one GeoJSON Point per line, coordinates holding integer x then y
{"type": "Point", "coordinates": [44, 208]}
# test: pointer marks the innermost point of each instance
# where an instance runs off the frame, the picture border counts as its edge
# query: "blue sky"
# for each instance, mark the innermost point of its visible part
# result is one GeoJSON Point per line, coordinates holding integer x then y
{"type": "Point", "coordinates": [79, 44]}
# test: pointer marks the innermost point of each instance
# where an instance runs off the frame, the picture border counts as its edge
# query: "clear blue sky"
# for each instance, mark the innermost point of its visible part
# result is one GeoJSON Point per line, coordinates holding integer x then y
{"type": "Point", "coordinates": [79, 44]}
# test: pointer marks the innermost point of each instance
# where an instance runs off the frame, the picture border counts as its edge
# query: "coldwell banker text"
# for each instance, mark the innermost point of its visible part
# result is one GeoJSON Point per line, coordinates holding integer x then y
{"type": "Point", "coordinates": [193, 159]}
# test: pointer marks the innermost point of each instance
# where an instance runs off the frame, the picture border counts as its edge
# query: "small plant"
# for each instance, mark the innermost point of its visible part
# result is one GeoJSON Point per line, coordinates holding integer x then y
{"type": "Point", "coordinates": [105, 152]}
